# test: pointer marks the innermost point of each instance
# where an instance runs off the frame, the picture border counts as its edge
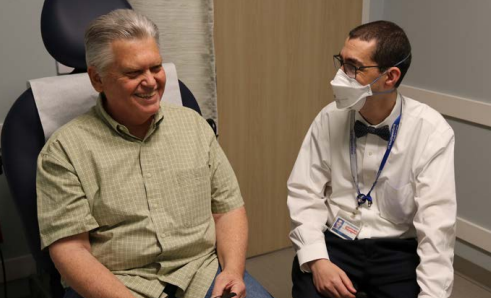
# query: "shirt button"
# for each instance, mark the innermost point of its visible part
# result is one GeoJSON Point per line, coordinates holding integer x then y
{"type": "Point", "coordinates": [148, 175]}
{"type": "Point", "coordinates": [369, 153]}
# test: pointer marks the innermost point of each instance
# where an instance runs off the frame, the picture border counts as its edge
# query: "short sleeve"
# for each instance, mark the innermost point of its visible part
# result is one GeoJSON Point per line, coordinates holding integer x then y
{"type": "Point", "coordinates": [225, 192]}
{"type": "Point", "coordinates": [63, 209]}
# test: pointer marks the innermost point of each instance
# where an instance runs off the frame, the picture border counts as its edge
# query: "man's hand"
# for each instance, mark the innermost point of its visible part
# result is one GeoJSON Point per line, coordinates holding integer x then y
{"type": "Point", "coordinates": [330, 280]}
{"type": "Point", "coordinates": [228, 282]}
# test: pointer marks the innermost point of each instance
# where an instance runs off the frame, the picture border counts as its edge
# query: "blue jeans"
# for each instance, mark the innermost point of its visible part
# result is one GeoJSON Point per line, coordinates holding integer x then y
{"type": "Point", "coordinates": [253, 288]}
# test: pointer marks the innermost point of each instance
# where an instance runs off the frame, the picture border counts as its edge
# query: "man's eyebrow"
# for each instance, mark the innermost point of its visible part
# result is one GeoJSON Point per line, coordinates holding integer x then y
{"type": "Point", "coordinates": [350, 60]}
{"type": "Point", "coordinates": [353, 61]}
{"type": "Point", "coordinates": [130, 69]}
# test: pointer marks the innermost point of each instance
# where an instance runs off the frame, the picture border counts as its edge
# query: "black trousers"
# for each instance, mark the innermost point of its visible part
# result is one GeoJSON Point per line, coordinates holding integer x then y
{"type": "Point", "coordinates": [381, 268]}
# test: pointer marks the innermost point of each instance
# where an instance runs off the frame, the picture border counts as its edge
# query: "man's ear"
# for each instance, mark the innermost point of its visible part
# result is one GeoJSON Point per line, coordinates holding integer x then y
{"type": "Point", "coordinates": [95, 79]}
{"type": "Point", "coordinates": [393, 76]}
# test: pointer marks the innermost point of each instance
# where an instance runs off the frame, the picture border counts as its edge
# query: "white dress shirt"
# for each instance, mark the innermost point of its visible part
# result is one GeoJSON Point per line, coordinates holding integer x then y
{"type": "Point", "coordinates": [414, 196]}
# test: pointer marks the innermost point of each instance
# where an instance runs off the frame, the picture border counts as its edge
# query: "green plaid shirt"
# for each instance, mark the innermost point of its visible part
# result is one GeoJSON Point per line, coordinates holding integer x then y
{"type": "Point", "coordinates": [147, 204]}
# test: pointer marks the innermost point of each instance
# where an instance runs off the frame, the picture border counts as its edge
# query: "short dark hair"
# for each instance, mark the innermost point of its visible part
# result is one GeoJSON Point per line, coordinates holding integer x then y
{"type": "Point", "coordinates": [392, 45]}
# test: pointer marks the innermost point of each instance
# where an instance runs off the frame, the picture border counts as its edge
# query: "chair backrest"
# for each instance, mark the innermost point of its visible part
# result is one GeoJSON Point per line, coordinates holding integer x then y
{"type": "Point", "coordinates": [62, 24]}
{"type": "Point", "coordinates": [22, 140]}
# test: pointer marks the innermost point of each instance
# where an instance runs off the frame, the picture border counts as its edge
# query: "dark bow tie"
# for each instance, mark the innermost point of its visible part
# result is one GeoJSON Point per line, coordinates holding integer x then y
{"type": "Point", "coordinates": [361, 129]}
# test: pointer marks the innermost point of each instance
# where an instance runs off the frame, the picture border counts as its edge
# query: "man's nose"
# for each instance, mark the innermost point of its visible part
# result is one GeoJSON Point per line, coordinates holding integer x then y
{"type": "Point", "coordinates": [149, 80]}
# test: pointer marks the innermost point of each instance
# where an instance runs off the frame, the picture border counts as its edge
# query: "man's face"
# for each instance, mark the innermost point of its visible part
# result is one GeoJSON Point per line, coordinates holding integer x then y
{"type": "Point", "coordinates": [134, 82]}
{"type": "Point", "coordinates": [359, 53]}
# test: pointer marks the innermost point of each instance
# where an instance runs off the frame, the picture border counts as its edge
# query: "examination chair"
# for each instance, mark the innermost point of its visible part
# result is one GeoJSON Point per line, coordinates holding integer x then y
{"type": "Point", "coordinates": [63, 23]}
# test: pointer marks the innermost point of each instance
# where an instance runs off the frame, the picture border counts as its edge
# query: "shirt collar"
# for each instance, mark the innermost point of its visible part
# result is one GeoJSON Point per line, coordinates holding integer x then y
{"type": "Point", "coordinates": [396, 110]}
{"type": "Point", "coordinates": [120, 128]}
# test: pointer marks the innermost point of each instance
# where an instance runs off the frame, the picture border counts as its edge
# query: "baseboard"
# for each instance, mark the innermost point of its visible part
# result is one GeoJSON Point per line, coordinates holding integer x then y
{"type": "Point", "coordinates": [18, 267]}
{"type": "Point", "coordinates": [474, 234]}
{"type": "Point", "coordinates": [457, 107]}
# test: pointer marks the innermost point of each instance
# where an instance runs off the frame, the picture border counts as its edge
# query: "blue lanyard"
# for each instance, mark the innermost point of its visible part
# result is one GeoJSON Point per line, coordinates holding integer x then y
{"type": "Point", "coordinates": [362, 198]}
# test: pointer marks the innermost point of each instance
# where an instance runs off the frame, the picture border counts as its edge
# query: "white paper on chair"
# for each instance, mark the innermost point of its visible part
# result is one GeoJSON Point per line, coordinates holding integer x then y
{"type": "Point", "coordinates": [61, 99]}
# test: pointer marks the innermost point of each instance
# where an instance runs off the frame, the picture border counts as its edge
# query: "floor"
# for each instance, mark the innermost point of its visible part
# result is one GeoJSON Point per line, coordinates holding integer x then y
{"type": "Point", "coordinates": [273, 272]}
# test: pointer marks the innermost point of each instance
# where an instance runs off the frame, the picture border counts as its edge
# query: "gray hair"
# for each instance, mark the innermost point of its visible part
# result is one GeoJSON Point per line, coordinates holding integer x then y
{"type": "Point", "coordinates": [120, 24]}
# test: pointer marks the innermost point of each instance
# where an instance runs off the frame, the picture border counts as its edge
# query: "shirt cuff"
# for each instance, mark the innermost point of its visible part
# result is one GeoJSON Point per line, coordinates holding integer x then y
{"type": "Point", "coordinates": [311, 252]}
{"type": "Point", "coordinates": [48, 238]}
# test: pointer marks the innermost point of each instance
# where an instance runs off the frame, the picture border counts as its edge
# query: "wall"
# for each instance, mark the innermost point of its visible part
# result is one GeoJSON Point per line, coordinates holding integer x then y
{"type": "Point", "coordinates": [23, 56]}
{"type": "Point", "coordinates": [451, 46]}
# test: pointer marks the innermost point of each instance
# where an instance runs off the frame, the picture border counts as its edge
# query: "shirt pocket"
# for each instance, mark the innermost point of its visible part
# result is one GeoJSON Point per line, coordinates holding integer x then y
{"type": "Point", "coordinates": [396, 204]}
{"type": "Point", "coordinates": [195, 196]}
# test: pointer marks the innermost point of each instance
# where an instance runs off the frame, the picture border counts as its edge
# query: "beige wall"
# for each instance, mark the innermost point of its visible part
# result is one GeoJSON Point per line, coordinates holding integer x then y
{"type": "Point", "coordinates": [274, 65]}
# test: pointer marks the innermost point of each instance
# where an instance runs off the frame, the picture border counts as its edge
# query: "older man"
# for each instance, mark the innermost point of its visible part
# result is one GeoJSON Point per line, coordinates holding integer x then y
{"type": "Point", "coordinates": [136, 197]}
{"type": "Point", "coordinates": [384, 165]}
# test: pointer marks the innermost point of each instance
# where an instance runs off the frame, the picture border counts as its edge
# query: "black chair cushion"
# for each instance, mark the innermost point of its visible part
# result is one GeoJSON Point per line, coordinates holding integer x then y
{"type": "Point", "coordinates": [63, 24]}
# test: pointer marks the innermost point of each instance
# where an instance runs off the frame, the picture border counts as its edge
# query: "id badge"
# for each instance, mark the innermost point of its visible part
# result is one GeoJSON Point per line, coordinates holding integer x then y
{"type": "Point", "coordinates": [347, 225]}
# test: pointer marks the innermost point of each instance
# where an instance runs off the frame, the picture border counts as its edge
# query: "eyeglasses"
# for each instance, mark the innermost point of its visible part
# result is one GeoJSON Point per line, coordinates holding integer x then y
{"type": "Point", "coordinates": [349, 68]}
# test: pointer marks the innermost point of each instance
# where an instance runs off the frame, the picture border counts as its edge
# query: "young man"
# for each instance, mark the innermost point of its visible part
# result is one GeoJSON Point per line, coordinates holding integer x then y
{"type": "Point", "coordinates": [384, 164]}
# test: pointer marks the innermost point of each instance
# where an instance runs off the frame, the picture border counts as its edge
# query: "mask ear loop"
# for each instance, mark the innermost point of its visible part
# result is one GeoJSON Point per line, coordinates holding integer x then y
{"type": "Point", "coordinates": [391, 90]}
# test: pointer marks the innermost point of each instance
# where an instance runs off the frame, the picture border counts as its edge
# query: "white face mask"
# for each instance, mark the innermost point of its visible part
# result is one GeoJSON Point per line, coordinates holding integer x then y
{"type": "Point", "coordinates": [348, 92]}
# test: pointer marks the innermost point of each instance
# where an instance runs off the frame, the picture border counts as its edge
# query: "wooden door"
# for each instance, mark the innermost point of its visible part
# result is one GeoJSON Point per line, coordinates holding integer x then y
{"type": "Point", "coordinates": [274, 65]}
